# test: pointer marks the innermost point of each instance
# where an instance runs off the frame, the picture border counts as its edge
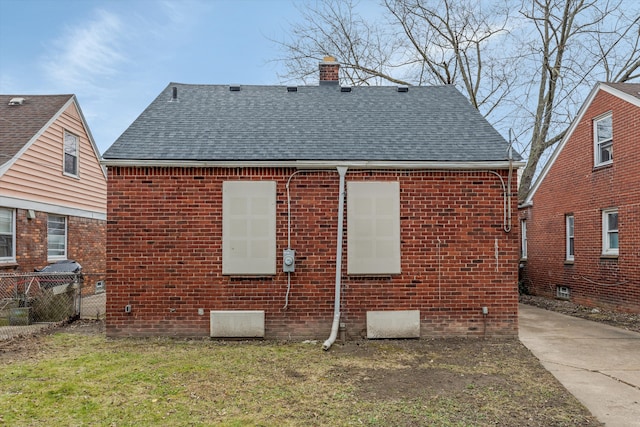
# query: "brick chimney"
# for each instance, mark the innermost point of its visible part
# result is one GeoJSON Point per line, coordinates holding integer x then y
{"type": "Point", "coordinates": [329, 71]}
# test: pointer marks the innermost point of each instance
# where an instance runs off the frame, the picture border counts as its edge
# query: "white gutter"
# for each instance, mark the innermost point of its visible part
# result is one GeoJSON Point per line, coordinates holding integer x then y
{"type": "Point", "coordinates": [318, 164]}
{"type": "Point", "coordinates": [336, 308]}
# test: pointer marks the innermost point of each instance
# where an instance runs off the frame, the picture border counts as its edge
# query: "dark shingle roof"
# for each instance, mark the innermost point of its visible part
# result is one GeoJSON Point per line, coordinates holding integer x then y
{"type": "Point", "coordinates": [20, 123]}
{"type": "Point", "coordinates": [632, 89]}
{"type": "Point", "coordinates": [211, 122]}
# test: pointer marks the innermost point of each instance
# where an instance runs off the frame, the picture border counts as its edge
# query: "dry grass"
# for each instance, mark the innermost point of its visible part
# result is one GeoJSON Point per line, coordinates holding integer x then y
{"type": "Point", "coordinates": [67, 378]}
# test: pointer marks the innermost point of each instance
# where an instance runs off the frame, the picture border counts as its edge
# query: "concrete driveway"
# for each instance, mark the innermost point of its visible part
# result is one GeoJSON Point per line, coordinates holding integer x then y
{"type": "Point", "coordinates": [599, 364]}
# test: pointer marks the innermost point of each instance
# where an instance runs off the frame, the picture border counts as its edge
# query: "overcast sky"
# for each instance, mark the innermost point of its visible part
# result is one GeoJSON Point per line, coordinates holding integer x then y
{"type": "Point", "coordinates": [118, 55]}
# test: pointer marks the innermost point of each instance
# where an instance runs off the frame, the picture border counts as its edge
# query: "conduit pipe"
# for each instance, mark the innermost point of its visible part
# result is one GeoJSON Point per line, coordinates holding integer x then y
{"type": "Point", "coordinates": [286, 298]}
{"type": "Point", "coordinates": [342, 171]}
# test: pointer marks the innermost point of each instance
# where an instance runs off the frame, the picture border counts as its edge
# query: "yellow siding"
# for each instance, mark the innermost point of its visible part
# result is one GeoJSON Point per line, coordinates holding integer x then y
{"type": "Point", "coordinates": [38, 174]}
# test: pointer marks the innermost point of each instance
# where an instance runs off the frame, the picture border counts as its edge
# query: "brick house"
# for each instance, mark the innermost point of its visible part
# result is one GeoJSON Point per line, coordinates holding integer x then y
{"type": "Point", "coordinates": [582, 215]}
{"type": "Point", "coordinates": [52, 186]}
{"type": "Point", "coordinates": [304, 212]}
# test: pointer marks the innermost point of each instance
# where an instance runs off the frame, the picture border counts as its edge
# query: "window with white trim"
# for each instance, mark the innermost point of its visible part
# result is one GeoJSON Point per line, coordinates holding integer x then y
{"type": "Point", "coordinates": [56, 237]}
{"type": "Point", "coordinates": [523, 239]}
{"type": "Point", "coordinates": [7, 235]}
{"type": "Point", "coordinates": [570, 240]}
{"type": "Point", "coordinates": [603, 140]}
{"type": "Point", "coordinates": [373, 228]}
{"type": "Point", "coordinates": [249, 228]}
{"type": "Point", "coordinates": [610, 232]}
{"type": "Point", "coordinates": [70, 154]}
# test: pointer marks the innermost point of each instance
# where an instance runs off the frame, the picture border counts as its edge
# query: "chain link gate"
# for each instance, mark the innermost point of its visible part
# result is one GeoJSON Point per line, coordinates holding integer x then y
{"type": "Point", "coordinates": [33, 301]}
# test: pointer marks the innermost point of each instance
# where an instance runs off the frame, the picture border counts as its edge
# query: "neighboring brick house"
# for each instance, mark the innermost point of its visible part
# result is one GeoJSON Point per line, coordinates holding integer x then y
{"type": "Point", "coordinates": [52, 186]}
{"type": "Point", "coordinates": [395, 201]}
{"type": "Point", "coordinates": [582, 215]}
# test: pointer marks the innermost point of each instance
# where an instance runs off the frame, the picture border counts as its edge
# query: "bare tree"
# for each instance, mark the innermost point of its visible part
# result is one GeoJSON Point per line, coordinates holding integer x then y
{"type": "Point", "coordinates": [574, 43]}
{"type": "Point", "coordinates": [451, 48]}
{"type": "Point", "coordinates": [333, 28]}
{"type": "Point", "coordinates": [455, 42]}
{"type": "Point", "coordinates": [525, 64]}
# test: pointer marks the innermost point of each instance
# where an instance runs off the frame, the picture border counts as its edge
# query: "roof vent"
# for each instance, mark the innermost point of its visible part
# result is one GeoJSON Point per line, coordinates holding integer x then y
{"type": "Point", "coordinates": [174, 94]}
{"type": "Point", "coordinates": [234, 88]}
{"type": "Point", "coordinates": [345, 89]}
{"type": "Point", "coordinates": [403, 88]}
{"type": "Point", "coordinates": [16, 101]}
{"type": "Point", "coordinates": [292, 88]}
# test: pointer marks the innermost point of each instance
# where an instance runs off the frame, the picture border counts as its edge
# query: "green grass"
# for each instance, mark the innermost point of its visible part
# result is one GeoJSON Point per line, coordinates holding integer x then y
{"type": "Point", "coordinates": [80, 380]}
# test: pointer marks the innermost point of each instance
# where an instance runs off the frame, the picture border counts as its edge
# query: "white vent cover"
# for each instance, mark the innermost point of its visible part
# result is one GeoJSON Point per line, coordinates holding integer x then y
{"type": "Point", "coordinates": [393, 324]}
{"type": "Point", "coordinates": [16, 101]}
{"type": "Point", "coordinates": [237, 324]}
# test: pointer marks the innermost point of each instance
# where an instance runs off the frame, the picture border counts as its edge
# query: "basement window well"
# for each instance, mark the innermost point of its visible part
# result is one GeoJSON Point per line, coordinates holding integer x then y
{"type": "Point", "coordinates": [563, 292]}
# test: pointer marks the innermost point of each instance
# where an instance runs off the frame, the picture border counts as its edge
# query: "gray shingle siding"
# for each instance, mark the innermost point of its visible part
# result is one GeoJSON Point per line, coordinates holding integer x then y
{"type": "Point", "coordinates": [212, 123]}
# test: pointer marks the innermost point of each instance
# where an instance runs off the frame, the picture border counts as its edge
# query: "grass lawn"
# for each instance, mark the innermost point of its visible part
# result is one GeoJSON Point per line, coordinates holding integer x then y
{"type": "Point", "coordinates": [66, 378]}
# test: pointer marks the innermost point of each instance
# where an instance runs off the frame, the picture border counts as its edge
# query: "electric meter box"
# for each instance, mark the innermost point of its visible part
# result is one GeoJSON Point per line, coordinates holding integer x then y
{"type": "Point", "coordinates": [288, 260]}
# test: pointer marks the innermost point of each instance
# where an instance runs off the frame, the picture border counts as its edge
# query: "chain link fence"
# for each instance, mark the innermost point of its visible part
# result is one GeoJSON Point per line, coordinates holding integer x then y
{"type": "Point", "coordinates": [33, 301]}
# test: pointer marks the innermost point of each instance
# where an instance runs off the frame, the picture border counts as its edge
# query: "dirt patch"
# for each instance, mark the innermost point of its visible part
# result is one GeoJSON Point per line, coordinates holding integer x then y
{"type": "Point", "coordinates": [21, 346]}
{"type": "Point", "coordinates": [498, 378]}
{"type": "Point", "coordinates": [84, 327]}
{"type": "Point", "coordinates": [430, 382]}
{"type": "Point", "coordinates": [629, 321]}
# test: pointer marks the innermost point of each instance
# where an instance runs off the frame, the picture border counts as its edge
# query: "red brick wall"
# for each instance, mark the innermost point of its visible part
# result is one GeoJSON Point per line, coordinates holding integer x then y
{"type": "Point", "coordinates": [164, 254]}
{"type": "Point", "coordinates": [574, 186]}
{"type": "Point", "coordinates": [86, 240]}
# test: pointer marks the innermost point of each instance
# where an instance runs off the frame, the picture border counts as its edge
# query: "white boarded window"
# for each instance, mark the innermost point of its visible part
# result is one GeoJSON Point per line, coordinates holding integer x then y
{"type": "Point", "coordinates": [373, 228]}
{"type": "Point", "coordinates": [249, 227]}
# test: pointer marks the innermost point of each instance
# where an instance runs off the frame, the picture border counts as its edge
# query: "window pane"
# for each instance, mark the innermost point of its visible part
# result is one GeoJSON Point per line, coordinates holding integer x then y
{"type": "Point", "coordinates": [613, 221]}
{"type": "Point", "coordinates": [70, 164]}
{"type": "Point", "coordinates": [6, 233]}
{"type": "Point", "coordinates": [606, 152]}
{"type": "Point", "coordinates": [6, 221]}
{"type": "Point", "coordinates": [610, 232]}
{"type": "Point", "coordinates": [605, 129]}
{"type": "Point", "coordinates": [56, 236]}
{"type": "Point", "coordinates": [70, 144]}
{"type": "Point", "coordinates": [70, 154]}
{"type": "Point", "coordinates": [523, 237]}
{"type": "Point", "coordinates": [6, 246]}
{"type": "Point", "coordinates": [570, 226]}
{"type": "Point", "coordinates": [569, 221]}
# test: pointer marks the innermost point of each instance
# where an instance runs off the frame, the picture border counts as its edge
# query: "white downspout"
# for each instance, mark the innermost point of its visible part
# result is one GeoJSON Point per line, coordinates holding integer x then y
{"type": "Point", "coordinates": [336, 309]}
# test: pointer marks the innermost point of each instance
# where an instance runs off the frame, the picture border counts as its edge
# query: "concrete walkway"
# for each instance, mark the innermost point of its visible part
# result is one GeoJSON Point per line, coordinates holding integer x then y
{"type": "Point", "coordinates": [599, 364]}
